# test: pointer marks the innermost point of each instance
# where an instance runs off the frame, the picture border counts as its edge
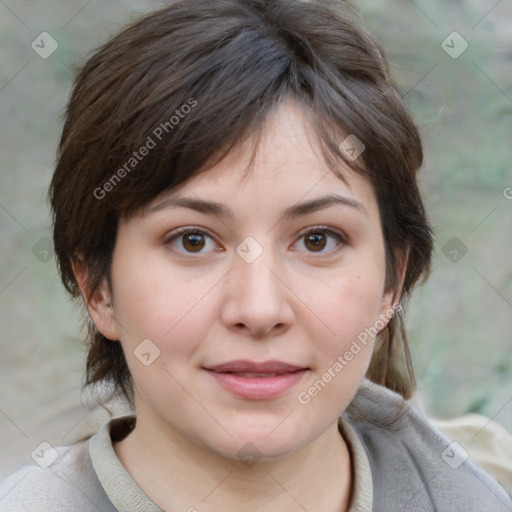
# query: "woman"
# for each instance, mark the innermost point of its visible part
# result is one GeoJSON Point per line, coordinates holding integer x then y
{"type": "Point", "coordinates": [235, 201]}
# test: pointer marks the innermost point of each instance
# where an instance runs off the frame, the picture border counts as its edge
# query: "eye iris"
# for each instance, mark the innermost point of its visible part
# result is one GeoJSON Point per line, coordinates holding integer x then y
{"type": "Point", "coordinates": [193, 242]}
{"type": "Point", "coordinates": [317, 241]}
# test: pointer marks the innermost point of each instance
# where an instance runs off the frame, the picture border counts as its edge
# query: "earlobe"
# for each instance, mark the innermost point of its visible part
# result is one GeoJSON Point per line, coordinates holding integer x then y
{"type": "Point", "coordinates": [391, 298]}
{"type": "Point", "coordinates": [98, 304]}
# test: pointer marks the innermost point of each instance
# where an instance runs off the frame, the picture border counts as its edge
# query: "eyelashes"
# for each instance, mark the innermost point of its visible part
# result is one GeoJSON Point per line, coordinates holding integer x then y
{"type": "Point", "coordinates": [196, 237]}
{"type": "Point", "coordinates": [192, 241]}
{"type": "Point", "coordinates": [319, 236]}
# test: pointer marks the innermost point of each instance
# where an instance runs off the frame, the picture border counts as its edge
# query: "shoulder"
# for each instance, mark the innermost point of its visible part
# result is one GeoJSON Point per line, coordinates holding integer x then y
{"type": "Point", "coordinates": [64, 481]}
{"type": "Point", "coordinates": [413, 464]}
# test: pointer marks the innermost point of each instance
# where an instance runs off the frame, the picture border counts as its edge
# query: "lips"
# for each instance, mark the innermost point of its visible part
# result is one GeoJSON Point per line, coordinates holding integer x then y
{"type": "Point", "coordinates": [256, 380]}
{"type": "Point", "coordinates": [265, 368]}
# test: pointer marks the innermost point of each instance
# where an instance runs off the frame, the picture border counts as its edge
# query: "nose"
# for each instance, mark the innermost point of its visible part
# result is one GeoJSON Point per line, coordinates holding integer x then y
{"type": "Point", "coordinates": [257, 299]}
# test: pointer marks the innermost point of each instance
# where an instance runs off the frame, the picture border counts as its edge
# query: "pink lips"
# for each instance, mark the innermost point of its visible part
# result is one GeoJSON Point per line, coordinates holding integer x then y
{"type": "Point", "coordinates": [256, 381]}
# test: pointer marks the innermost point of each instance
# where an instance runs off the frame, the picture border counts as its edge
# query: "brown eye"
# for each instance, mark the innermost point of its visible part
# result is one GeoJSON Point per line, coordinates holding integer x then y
{"type": "Point", "coordinates": [190, 240]}
{"type": "Point", "coordinates": [193, 242]}
{"type": "Point", "coordinates": [322, 241]}
{"type": "Point", "coordinates": [315, 241]}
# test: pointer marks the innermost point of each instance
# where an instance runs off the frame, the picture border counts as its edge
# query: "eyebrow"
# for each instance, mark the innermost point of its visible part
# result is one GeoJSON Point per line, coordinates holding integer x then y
{"type": "Point", "coordinates": [294, 211]}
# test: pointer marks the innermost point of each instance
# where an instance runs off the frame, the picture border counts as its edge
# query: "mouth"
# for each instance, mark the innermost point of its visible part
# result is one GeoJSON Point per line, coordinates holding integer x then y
{"type": "Point", "coordinates": [256, 380]}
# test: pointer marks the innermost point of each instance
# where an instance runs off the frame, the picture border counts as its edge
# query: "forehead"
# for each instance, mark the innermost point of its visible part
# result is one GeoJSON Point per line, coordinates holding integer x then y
{"type": "Point", "coordinates": [280, 167]}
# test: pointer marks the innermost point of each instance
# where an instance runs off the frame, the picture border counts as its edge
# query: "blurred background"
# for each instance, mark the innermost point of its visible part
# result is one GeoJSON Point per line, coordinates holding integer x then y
{"type": "Point", "coordinates": [452, 60]}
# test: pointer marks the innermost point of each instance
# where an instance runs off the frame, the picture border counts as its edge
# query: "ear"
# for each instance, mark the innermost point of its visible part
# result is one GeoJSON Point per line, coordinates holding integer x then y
{"type": "Point", "coordinates": [99, 305]}
{"type": "Point", "coordinates": [391, 298]}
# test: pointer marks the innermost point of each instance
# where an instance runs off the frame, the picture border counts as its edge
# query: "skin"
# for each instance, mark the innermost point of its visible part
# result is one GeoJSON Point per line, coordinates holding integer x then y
{"type": "Point", "coordinates": [297, 302]}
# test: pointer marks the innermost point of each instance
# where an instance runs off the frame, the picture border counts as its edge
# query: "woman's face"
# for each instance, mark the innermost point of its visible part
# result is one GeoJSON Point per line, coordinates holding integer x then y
{"type": "Point", "coordinates": [243, 305]}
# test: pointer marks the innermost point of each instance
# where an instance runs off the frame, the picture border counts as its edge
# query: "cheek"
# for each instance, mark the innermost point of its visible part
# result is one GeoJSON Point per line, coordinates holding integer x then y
{"type": "Point", "coordinates": [346, 305]}
{"type": "Point", "coordinates": [349, 309]}
{"type": "Point", "coordinates": [163, 305]}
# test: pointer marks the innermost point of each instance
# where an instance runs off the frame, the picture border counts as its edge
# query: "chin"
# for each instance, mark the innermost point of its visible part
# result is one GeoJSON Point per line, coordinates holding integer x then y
{"type": "Point", "coordinates": [257, 440]}
{"type": "Point", "coordinates": [258, 449]}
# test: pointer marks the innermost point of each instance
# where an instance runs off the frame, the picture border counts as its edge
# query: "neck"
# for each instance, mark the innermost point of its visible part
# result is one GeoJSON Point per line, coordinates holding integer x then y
{"type": "Point", "coordinates": [317, 477]}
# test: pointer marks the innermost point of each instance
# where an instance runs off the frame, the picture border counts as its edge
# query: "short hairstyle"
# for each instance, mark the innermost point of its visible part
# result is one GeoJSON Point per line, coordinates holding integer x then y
{"type": "Point", "coordinates": [191, 81]}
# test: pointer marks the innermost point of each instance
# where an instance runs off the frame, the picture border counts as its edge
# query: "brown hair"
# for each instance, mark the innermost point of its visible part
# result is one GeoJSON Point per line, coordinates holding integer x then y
{"type": "Point", "coordinates": [194, 79]}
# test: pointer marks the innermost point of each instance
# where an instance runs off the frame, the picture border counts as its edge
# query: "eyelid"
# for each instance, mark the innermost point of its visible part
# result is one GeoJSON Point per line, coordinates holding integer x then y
{"type": "Point", "coordinates": [187, 229]}
{"type": "Point", "coordinates": [340, 235]}
{"type": "Point", "coordinates": [176, 233]}
{"type": "Point", "coordinates": [330, 229]}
